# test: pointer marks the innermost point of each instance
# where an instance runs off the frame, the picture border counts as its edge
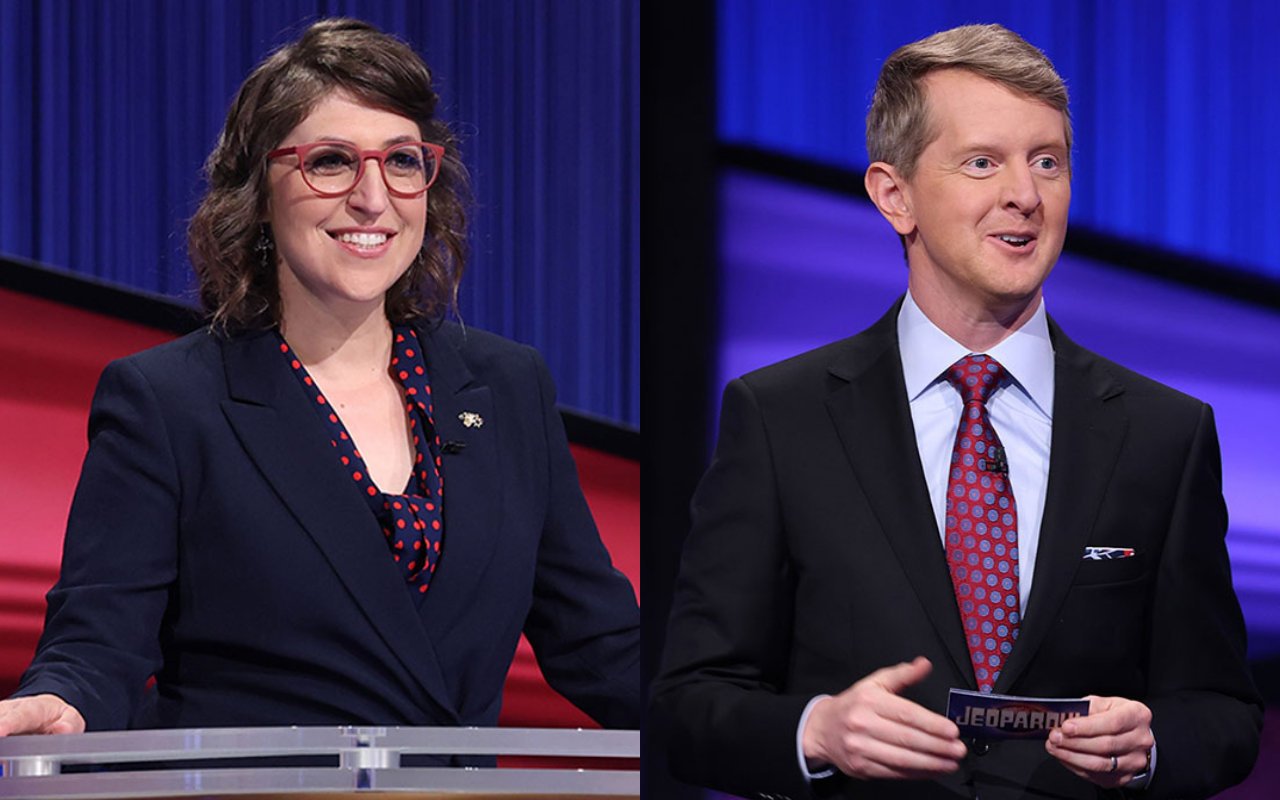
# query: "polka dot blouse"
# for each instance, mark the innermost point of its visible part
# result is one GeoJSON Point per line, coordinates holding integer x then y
{"type": "Point", "coordinates": [412, 522]}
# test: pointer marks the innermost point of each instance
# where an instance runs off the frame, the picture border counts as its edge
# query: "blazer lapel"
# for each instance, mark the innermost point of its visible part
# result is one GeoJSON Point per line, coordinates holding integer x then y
{"type": "Point", "coordinates": [281, 433]}
{"type": "Point", "coordinates": [465, 420]}
{"type": "Point", "coordinates": [871, 415]}
{"type": "Point", "coordinates": [1089, 425]}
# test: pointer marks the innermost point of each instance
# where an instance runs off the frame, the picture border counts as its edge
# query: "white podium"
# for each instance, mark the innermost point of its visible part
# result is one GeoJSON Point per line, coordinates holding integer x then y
{"type": "Point", "coordinates": [157, 763]}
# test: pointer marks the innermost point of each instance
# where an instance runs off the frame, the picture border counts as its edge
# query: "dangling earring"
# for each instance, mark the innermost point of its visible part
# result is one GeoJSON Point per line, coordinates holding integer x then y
{"type": "Point", "coordinates": [265, 248]}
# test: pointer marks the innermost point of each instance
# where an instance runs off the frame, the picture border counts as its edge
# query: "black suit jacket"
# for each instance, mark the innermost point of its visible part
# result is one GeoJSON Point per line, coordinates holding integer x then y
{"type": "Point", "coordinates": [216, 542]}
{"type": "Point", "coordinates": [815, 559]}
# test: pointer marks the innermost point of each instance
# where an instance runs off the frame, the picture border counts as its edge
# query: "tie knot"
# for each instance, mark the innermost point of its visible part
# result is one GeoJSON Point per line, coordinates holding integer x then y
{"type": "Point", "coordinates": [975, 377]}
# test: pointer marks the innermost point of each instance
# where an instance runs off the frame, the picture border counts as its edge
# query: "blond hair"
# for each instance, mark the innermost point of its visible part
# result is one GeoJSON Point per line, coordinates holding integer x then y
{"type": "Point", "coordinates": [898, 124]}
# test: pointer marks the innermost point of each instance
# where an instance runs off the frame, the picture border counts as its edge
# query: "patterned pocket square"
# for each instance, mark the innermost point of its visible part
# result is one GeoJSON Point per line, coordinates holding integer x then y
{"type": "Point", "coordinates": [1107, 553]}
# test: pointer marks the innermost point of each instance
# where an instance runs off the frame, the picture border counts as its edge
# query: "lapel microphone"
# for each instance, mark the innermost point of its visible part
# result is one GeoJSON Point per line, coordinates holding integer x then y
{"type": "Point", "coordinates": [995, 461]}
{"type": "Point", "coordinates": [452, 447]}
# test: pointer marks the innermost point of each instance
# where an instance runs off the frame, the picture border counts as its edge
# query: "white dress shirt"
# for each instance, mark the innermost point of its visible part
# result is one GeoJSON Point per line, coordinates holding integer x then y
{"type": "Point", "coordinates": [1021, 413]}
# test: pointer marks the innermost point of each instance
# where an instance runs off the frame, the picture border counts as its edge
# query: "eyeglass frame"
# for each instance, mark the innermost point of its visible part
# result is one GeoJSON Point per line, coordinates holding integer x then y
{"type": "Point", "coordinates": [301, 150]}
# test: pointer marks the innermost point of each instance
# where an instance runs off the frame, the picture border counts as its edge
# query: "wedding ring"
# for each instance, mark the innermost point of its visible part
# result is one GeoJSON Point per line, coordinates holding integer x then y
{"type": "Point", "coordinates": [1114, 764]}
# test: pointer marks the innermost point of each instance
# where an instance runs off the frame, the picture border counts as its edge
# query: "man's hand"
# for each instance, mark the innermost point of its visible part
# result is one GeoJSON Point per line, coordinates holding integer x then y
{"type": "Point", "coordinates": [42, 713]}
{"type": "Point", "coordinates": [868, 731]}
{"type": "Point", "coordinates": [1115, 727]}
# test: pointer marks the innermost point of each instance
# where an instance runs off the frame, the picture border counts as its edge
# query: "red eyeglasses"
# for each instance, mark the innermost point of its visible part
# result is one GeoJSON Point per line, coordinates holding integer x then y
{"type": "Point", "coordinates": [332, 169]}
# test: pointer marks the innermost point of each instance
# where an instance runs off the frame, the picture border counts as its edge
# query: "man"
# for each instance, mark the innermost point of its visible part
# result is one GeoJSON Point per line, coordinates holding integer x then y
{"type": "Point", "coordinates": [960, 497]}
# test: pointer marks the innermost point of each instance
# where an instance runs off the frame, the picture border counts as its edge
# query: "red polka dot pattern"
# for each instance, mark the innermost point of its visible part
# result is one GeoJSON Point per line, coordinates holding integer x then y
{"type": "Point", "coordinates": [982, 525]}
{"type": "Point", "coordinates": [414, 519]}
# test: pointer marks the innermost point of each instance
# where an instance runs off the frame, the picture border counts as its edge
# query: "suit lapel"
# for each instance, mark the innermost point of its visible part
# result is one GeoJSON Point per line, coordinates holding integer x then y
{"type": "Point", "coordinates": [1089, 425]}
{"type": "Point", "coordinates": [872, 417]}
{"type": "Point", "coordinates": [285, 439]}
{"type": "Point", "coordinates": [472, 492]}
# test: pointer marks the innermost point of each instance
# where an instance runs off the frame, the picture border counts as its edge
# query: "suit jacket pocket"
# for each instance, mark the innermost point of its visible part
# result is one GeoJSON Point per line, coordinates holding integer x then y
{"type": "Point", "coordinates": [1115, 570]}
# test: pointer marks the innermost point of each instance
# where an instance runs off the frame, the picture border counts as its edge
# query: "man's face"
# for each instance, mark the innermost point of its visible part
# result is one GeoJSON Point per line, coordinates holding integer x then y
{"type": "Point", "coordinates": [986, 211]}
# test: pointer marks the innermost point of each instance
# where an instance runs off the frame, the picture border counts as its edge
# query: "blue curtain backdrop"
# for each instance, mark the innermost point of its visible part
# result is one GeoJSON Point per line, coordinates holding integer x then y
{"type": "Point", "coordinates": [1175, 105]}
{"type": "Point", "coordinates": [109, 107]}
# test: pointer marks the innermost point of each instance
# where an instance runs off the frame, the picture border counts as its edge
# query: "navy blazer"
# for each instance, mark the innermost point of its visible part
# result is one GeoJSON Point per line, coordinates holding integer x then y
{"type": "Point", "coordinates": [216, 542]}
{"type": "Point", "coordinates": [837, 570]}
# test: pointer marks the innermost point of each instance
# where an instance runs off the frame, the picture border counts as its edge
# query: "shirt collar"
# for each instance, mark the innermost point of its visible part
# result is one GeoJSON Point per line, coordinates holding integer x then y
{"type": "Point", "coordinates": [1027, 354]}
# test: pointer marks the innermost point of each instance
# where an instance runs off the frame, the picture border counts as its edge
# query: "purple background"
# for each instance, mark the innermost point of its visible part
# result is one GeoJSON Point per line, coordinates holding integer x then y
{"type": "Point", "coordinates": [802, 267]}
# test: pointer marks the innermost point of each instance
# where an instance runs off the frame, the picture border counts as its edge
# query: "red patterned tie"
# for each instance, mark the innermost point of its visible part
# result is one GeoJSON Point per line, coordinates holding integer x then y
{"type": "Point", "coordinates": [982, 524]}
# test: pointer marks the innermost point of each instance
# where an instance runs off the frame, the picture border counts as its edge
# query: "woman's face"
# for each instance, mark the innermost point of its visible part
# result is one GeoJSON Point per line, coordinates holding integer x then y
{"type": "Point", "coordinates": [339, 255]}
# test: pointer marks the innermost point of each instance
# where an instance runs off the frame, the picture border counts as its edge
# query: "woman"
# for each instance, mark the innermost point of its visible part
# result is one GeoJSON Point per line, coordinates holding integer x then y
{"type": "Point", "coordinates": [331, 506]}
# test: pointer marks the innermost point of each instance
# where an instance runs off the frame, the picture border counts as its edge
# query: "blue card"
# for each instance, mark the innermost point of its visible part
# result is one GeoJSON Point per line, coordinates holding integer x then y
{"type": "Point", "coordinates": [1006, 716]}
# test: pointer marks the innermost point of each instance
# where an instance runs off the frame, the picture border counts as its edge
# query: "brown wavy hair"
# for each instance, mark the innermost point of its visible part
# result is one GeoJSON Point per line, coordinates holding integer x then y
{"type": "Point", "coordinates": [898, 125]}
{"type": "Point", "coordinates": [225, 239]}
